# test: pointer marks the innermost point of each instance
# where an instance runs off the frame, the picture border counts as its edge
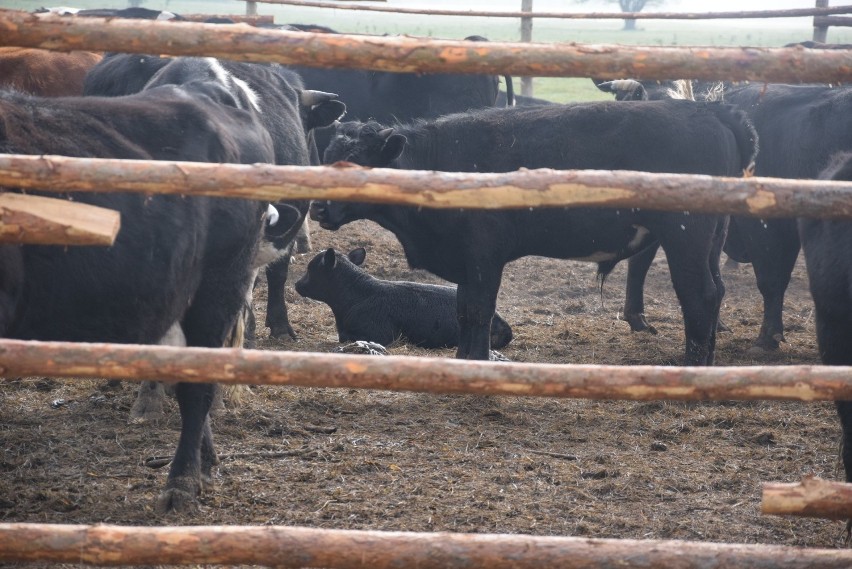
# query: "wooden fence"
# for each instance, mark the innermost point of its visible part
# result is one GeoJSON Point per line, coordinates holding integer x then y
{"type": "Point", "coordinates": [107, 545]}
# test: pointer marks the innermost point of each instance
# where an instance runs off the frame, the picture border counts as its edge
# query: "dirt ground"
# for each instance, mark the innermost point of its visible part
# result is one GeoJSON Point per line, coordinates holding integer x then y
{"type": "Point", "coordinates": [401, 461]}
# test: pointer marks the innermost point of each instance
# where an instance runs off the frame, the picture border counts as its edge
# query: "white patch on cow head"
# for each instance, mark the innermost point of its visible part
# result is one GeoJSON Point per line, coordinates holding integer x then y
{"type": "Point", "coordinates": [253, 98]}
{"type": "Point", "coordinates": [166, 15]}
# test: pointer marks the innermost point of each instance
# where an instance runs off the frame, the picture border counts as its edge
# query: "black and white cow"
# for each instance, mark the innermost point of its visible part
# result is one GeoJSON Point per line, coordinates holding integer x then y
{"type": "Point", "coordinates": [471, 247]}
{"type": "Point", "coordinates": [122, 74]}
{"type": "Point", "coordinates": [367, 308]}
{"type": "Point", "coordinates": [826, 244]}
{"type": "Point", "coordinates": [176, 259]}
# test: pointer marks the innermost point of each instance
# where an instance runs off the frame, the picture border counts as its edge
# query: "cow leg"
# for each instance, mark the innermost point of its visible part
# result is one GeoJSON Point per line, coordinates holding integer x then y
{"type": "Point", "coordinates": [634, 300]}
{"type": "Point", "coordinates": [695, 285]}
{"type": "Point", "coordinates": [207, 323]}
{"type": "Point", "coordinates": [149, 402]}
{"type": "Point", "coordinates": [276, 310]}
{"type": "Point", "coordinates": [195, 455]}
{"type": "Point", "coordinates": [476, 305]}
{"type": "Point", "coordinates": [774, 247]}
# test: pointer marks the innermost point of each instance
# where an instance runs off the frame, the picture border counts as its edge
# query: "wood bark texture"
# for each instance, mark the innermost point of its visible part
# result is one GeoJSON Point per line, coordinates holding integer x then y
{"type": "Point", "coordinates": [812, 497]}
{"type": "Point", "coordinates": [759, 197]}
{"type": "Point", "coordinates": [298, 547]}
{"type": "Point", "coordinates": [404, 54]}
{"type": "Point", "coordinates": [38, 220]}
{"type": "Point", "coordinates": [431, 375]}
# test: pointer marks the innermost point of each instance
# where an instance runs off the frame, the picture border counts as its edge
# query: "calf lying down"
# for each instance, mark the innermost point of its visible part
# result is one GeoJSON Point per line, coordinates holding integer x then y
{"type": "Point", "coordinates": [367, 308]}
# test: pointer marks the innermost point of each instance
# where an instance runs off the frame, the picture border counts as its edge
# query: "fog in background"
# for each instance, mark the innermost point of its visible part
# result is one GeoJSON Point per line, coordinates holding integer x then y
{"type": "Point", "coordinates": [603, 6]}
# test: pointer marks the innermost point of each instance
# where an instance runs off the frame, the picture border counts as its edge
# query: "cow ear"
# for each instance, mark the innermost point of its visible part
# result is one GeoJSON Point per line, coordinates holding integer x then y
{"type": "Point", "coordinates": [358, 255]}
{"type": "Point", "coordinates": [325, 114]}
{"type": "Point", "coordinates": [330, 258]}
{"type": "Point", "coordinates": [393, 147]}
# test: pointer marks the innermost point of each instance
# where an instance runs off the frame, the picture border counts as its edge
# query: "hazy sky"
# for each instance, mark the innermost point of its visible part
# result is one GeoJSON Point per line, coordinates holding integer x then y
{"type": "Point", "coordinates": [569, 6]}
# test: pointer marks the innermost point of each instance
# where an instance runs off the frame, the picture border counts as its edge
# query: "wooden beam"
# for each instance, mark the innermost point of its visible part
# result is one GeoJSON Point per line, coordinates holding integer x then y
{"type": "Point", "coordinates": [431, 375]}
{"type": "Point", "coordinates": [791, 13]}
{"type": "Point", "coordinates": [761, 197]}
{"type": "Point", "coordinates": [404, 54]}
{"type": "Point", "coordinates": [812, 497]}
{"type": "Point", "coordinates": [296, 547]}
{"type": "Point", "coordinates": [237, 18]}
{"type": "Point", "coordinates": [39, 220]}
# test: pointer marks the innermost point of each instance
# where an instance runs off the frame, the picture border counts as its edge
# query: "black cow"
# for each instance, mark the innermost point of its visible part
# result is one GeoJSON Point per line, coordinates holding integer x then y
{"type": "Point", "coordinates": [826, 245]}
{"type": "Point", "coordinates": [367, 308]}
{"type": "Point", "coordinates": [121, 74]}
{"type": "Point", "coordinates": [398, 97]}
{"type": "Point", "coordinates": [176, 259]}
{"type": "Point", "coordinates": [471, 247]}
{"type": "Point", "coordinates": [800, 127]}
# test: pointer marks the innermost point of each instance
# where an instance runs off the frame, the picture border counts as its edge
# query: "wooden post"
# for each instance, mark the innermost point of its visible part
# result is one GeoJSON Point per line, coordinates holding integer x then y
{"type": "Point", "coordinates": [296, 547]}
{"type": "Point", "coordinates": [251, 8]}
{"type": "Point", "coordinates": [820, 31]}
{"type": "Point", "coordinates": [526, 36]}
{"type": "Point", "coordinates": [812, 497]}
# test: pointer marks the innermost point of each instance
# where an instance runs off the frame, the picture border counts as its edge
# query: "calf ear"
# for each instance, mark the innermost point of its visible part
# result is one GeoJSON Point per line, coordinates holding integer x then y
{"type": "Point", "coordinates": [330, 258]}
{"type": "Point", "coordinates": [393, 147]}
{"type": "Point", "coordinates": [325, 114]}
{"type": "Point", "coordinates": [358, 255]}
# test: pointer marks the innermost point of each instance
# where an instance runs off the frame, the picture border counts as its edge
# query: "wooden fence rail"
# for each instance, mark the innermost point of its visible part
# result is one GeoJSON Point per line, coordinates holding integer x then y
{"type": "Point", "coordinates": [812, 497]}
{"type": "Point", "coordinates": [431, 375]}
{"type": "Point", "coordinates": [762, 197]}
{"type": "Point", "coordinates": [37, 220]}
{"type": "Point", "coordinates": [746, 14]}
{"type": "Point", "coordinates": [403, 54]}
{"type": "Point", "coordinates": [297, 547]}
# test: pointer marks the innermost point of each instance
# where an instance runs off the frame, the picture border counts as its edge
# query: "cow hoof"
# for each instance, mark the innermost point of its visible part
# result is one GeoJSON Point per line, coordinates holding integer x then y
{"type": "Point", "coordinates": [282, 331]}
{"type": "Point", "coordinates": [148, 406]}
{"type": "Point", "coordinates": [177, 501]}
{"type": "Point", "coordinates": [638, 323]}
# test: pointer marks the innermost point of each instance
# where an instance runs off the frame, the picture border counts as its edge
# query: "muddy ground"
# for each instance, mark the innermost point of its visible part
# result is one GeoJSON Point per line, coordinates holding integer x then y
{"type": "Point", "coordinates": [401, 461]}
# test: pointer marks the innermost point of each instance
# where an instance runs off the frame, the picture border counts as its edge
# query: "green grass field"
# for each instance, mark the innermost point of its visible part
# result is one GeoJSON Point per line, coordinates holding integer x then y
{"type": "Point", "coordinates": [650, 32]}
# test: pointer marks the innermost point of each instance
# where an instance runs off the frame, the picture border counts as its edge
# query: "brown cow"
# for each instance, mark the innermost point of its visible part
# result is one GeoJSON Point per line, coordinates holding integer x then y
{"type": "Point", "coordinates": [43, 72]}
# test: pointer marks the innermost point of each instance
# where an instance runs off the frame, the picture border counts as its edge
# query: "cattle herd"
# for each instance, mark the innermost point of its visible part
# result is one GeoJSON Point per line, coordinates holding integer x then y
{"type": "Point", "coordinates": [182, 269]}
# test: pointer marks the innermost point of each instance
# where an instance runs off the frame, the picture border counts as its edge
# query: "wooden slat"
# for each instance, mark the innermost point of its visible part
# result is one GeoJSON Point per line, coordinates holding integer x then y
{"type": "Point", "coordinates": [404, 54]}
{"type": "Point", "coordinates": [761, 197]}
{"type": "Point", "coordinates": [50, 221]}
{"type": "Point", "coordinates": [812, 498]}
{"type": "Point", "coordinates": [745, 14]}
{"type": "Point", "coordinates": [296, 547]}
{"type": "Point", "coordinates": [431, 375]}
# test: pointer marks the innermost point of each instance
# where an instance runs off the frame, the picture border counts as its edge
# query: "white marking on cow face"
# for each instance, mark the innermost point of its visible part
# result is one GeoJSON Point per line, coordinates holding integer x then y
{"type": "Point", "coordinates": [253, 98]}
{"type": "Point", "coordinates": [166, 15]}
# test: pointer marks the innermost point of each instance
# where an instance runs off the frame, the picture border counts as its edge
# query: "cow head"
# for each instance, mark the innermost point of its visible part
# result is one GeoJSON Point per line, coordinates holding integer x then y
{"type": "Point", "coordinates": [327, 271]}
{"type": "Point", "coordinates": [366, 144]}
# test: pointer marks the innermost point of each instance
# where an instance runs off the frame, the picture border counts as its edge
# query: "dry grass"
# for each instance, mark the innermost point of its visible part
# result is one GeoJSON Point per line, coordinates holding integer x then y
{"type": "Point", "coordinates": [401, 461]}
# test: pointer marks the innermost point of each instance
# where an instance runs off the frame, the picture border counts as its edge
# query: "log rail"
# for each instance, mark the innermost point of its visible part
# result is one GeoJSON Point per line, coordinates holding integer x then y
{"type": "Point", "coordinates": [761, 197]}
{"type": "Point", "coordinates": [242, 42]}
{"type": "Point", "coordinates": [296, 547]}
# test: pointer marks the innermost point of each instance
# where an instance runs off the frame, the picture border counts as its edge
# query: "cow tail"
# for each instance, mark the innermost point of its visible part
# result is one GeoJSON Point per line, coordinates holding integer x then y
{"type": "Point", "coordinates": [604, 269]}
{"type": "Point", "coordinates": [744, 133]}
{"type": "Point", "coordinates": [510, 91]}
